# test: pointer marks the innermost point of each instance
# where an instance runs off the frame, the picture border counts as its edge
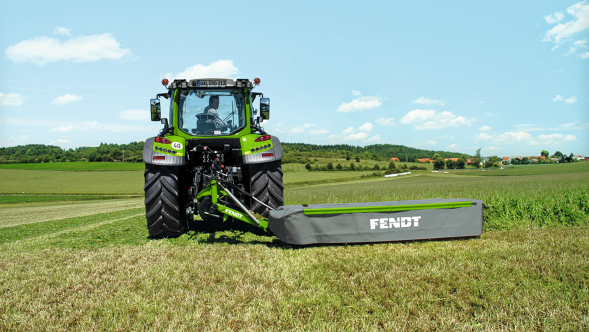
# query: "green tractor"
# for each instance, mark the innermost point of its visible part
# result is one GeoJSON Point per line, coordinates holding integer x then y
{"type": "Point", "coordinates": [212, 158]}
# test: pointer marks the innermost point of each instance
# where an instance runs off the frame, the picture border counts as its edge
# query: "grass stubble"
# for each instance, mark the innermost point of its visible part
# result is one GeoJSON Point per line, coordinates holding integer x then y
{"type": "Point", "coordinates": [100, 272]}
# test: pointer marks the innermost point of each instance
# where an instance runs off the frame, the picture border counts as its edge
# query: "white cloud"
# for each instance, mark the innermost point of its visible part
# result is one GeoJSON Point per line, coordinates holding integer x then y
{"type": "Point", "coordinates": [62, 31]}
{"type": "Point", "coordinates": [492, 149]}
{"type": "Point", "coordinates": [348, 130]}
{"type": "Point", "coordinates": [386, 121]}
{"type": "Point", "coordinates": [319, 131]}
{"type": "Point", "coordinates": [430, 119]}
{"type": "Point", "coordinates": [452, 147]}
{"type": "Point", "coordinates": [42, 50]}
{"type": "Point", "coordinates": [570, 100]}
{"type": "Point", "coordinates": [566, 125]}
{"type": "Point", "coordinates": [483, 136]}
{"type": "Point", "coordinates": [366, 127]}
{"type": "Point", "coordinates": [557, 137]}
{"type": "Point", "coordinates": [87, 127]}
{"type": "Point", "coordinates": [360, 104]}
{"type": "Point", "coordinates": [135, 115]}
{"type": "Point", "coordinates": [554, 18]}
{"type": "Point", "coordinates": [427, 101]}
{"type": "Point", "coordinates": [584, 55]}
{"type": "Point", "coordinates": [431, 142]}
{"type": "Point", "coordinates": [355, 137]}
{"type": "Point", "coordinates": [216, 69]}
{"type": "Point", "coordinates": [349, 134]}
{"type": "Point", "coordinates": [301, 128]}
{"type": "Point", "coordinates": [485, 128]}
{"type": "Point", "coordinates": [66, 99]}
{"type": "Point", "coordinates": [515, 137]}
{"type": "Point", "coordinates": [373, 139]}
{"type": "Point", "coordinates": [356, 93]}
{"type": "Point", "coordinates": [18, 140]}
{"type": "Point", "coordinates": [562, 31]}
{"type": "Point", "coordinates": [11, 99]}
{"type": "Point", "coordinates": [59, 142]}
{"type": "Point", "coordinates": [62, 128]}
{"type": "Point", "coordinates": [279, 129]}
{"type": "Point", "coordinates": [576, 45]}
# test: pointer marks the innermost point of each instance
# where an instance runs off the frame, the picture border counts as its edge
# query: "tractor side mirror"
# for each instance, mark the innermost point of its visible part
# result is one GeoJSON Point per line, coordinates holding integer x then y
{"type": "Point", "coordinates": [265, 108]}
{"type": "Point", "coordinates": [156, 110]}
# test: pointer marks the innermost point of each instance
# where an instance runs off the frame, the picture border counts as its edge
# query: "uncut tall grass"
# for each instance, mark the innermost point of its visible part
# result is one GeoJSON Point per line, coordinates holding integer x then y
{"type": "Point", "coordinates": [512, 202]}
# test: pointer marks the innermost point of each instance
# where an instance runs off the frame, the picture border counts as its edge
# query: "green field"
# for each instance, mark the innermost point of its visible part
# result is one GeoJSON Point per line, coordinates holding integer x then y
{"type": "Point", "coordinates": [85, 264]}
{"type": "Point", "coordinates": [77, 166]}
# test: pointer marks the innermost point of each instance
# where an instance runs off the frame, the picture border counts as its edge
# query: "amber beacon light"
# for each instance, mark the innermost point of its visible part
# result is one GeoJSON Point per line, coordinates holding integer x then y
{"type": "Point", "coordinates": [165, 82]}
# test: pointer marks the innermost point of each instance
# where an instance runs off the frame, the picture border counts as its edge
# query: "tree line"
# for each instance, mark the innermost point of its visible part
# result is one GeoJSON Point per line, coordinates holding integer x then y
{"type": "Point", "coordinates": [37, 153]}
{"type": "Point", "coordinates": [302, 152]}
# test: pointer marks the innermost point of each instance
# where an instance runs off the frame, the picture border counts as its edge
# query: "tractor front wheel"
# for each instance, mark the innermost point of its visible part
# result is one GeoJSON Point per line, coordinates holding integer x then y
{"type": "Point", "coordinates": [165, 210]}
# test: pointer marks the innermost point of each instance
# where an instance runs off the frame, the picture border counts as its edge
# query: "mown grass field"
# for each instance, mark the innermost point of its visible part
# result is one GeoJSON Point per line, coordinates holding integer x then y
{"type": "Point", "coordinates": [88, 264]}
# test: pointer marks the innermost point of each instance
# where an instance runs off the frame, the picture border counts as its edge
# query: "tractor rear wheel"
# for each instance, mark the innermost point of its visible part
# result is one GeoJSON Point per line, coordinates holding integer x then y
{"type": "Point", "coordinates": [165, 210]}
{"type": "Point", "coordinates": [265, 184]}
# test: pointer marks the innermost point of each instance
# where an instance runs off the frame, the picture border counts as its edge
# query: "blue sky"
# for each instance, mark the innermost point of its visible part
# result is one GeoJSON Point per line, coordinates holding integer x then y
{"type": "Point", "coordinates": [509, 77]}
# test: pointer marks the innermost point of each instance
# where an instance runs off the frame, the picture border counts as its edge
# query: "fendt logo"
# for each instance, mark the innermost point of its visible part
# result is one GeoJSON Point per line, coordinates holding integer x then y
{"type": "Point", "coordinates": [233, 213]}
{"type": "Point", "coordinates": [383, 223]}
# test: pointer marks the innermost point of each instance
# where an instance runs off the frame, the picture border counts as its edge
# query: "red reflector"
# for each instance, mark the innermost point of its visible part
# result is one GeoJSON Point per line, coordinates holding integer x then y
{"type": "Point", "coordinates": [262, 138]}
{"type": "Point", "coordinates": [159, 157]}
{"type": "Point", "coordinates": [267, 154]}
{"type": "Point", "coordinates": [162, 140]}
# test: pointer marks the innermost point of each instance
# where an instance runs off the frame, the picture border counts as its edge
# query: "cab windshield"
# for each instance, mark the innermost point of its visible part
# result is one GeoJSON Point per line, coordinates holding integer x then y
{"type": "Point", "coordinates": [210, 112]}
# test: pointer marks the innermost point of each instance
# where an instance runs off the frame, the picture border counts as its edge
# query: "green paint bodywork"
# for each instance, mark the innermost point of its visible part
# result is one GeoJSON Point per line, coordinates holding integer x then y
{"type": "Point", "coordinates": [215, 192]}
{"type": "Point", "coordinates": [387, 208]}
{"type": "Point", "coordinates": [246, 137]}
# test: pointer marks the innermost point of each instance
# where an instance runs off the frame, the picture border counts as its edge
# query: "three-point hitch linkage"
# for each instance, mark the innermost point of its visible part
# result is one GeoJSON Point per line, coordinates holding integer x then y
{"type": "Point", "coordinates": [219, 188]}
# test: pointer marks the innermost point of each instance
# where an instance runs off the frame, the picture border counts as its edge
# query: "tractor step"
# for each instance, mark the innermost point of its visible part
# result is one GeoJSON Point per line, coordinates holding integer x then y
{"type": "Point", "coordinates": [377, 221]}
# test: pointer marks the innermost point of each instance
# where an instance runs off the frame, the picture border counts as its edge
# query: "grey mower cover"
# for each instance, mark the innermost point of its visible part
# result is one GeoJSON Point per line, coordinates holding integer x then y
{"type": "Point", "coordinates": [377, 221]}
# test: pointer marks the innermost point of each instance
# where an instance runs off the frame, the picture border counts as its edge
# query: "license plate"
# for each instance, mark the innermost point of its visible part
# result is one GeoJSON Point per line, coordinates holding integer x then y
{"type": "Point", "coordinates": [211, 83]}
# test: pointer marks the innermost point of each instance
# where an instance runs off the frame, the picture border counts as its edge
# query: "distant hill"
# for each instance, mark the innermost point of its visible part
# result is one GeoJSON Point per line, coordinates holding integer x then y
{"type": "Point", "coordinates": [297, 152]}
{"type": "Point", "coordinates": [293, 152]}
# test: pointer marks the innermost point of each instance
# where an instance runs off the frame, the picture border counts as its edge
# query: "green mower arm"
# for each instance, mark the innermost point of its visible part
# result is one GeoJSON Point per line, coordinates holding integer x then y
{"type": "Point", "coordinates": [216, 191]}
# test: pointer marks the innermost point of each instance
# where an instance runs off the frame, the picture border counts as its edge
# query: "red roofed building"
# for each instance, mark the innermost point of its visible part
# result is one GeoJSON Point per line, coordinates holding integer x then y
{"type": "Point", "coordinates": [424, 160]}
{"type": "Point", "coordinates": [395, 159]}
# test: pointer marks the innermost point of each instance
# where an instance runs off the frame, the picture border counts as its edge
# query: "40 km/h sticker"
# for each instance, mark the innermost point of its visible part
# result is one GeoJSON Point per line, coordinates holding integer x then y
{"type": "Point", "coordinates": [177, 145]}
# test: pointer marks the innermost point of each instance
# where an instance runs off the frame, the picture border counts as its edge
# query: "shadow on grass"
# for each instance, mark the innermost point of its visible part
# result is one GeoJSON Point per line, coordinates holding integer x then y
{"type": "Point", "coordinates": [228, 234]}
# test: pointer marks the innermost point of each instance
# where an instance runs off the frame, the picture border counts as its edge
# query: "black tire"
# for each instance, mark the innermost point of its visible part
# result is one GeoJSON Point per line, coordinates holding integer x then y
{"type": "Point", "coordinates": [265, 184]}
{"type": "Point", "coordinates": [165, 210]}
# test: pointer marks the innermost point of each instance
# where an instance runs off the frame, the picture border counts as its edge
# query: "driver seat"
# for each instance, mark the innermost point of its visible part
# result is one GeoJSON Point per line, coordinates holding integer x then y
{"type": "Point", "coordinates": [205, 124]}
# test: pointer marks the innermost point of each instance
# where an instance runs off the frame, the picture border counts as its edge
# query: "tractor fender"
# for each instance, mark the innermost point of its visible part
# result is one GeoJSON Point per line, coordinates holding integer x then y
{"type": "Point", "coordinates": [258, 158]}
{"type": "Point", "coordinates": [149, 152]}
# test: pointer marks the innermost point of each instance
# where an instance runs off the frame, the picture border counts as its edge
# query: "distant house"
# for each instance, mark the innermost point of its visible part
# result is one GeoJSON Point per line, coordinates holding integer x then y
{"type": "Point", "coordinates": [471, 161]}
{"type": "Point", "coordinates": [424, 160]}
{"type": "Point", "coordinates": [579, 157]}
{"type": "Point", "coordinates": [395, 159]}
{"type": "Point", "coordinates": [505, 160]}
{"type": "Point", "coordinates": [453, 159]}
{"type": "Point", "coordinates": [533, 160]}
{"type": "Point", "coordinates": [554, 160]}
{"type": "Point", "coordinates": [541, 157]}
